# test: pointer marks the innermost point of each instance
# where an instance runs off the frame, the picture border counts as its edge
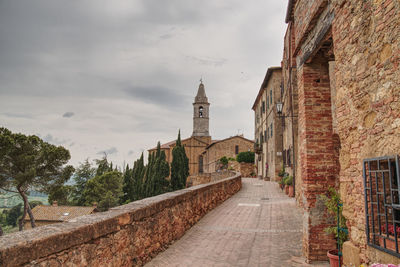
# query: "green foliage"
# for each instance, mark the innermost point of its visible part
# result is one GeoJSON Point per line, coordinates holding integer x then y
{"type": "Point", "coordinates": [104, 189]}
{"type": "Point", "coordinates": [13, 215]}
{"type": "Point", "coordinates": [84, 172]}
{"type": "Point", "coordinates": [288, 180]}
{"type": "Point", "coordinates": [331, 200]}
{"type": "Point", "coordinates": [157, 171]}
{"type": "Point", "coordinates": [224, 161]}
{"type": "Point", "coordinates": [27, 162]}
{"type": "Point", "coordinates": [61, 194]}
{"type": "Point", "coordinates": [282, 171]}
{"type": "Point", "coordinates": [231, 159]}
{"type": "Point", "coordinates": [179, 166]}
{"type": "Point", "coordinates": [247, 156]}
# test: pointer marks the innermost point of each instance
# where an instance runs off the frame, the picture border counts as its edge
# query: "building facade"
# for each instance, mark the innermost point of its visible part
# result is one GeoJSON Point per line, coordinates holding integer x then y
{"type": "Point", "coordinates": [268, 125]}
{"type": "Point", "coordinates": [229, 147]}
{"type": "Point", "coordinates": [346, 56]}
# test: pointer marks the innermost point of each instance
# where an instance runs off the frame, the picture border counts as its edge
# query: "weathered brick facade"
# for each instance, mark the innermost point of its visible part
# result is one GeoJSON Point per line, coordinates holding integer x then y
{"type": "Point", "coordinates": [268, 125]}
{"type": "Point", "coordinates": [228, 147]}
{"type": "Point", "coordinates": [347, 63]}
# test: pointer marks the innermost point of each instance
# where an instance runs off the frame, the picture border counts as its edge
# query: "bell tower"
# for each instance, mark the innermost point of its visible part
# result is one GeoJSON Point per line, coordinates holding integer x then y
{"type": "Point", "coordinates": [201, 113]}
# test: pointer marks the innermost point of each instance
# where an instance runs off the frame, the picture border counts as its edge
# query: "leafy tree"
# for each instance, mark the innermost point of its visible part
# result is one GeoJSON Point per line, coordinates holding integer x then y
{"type": "Point", "coordinates": [27, 162]}
{"type": "Point", "coordinates": [103, 166]}
{"type": "Point", "coordinates": [224, 162]}
{"type": "Point", "coordinates": [61, 194]}
{"type": "Point", "coordinates": [84, 172]}
{"type": "Point", "coordinates": [13, 214]}
{"type": "Point", "coordinates": [105, 189]}
{"type": "Point", "coordinates": [247, 156]}
{"type": "Point", "coordinates": [179, 165]}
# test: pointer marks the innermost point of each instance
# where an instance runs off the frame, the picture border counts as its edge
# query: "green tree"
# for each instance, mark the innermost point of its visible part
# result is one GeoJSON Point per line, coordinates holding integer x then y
{"type": "Point", "coordinates": [35, 203]}
{"type": "Point", "coordinates": [105, 189]}
{"type": "Point", "coordinates": [179, 165]}
{"type": "Point", "coordinates": [61, 194]}
{"type": "Point", "coordinates": [13, 215]}
{"type": "Point", "coordinates": [84, 172]}
{"type": "Point", "coordinates": [247, 157]}
{"type": "Point", "coordinates": [137, 177]}
{"type": "Point", "coordinates": [156, 173]}
{"type": "Point", "coordinates": [27, 162]}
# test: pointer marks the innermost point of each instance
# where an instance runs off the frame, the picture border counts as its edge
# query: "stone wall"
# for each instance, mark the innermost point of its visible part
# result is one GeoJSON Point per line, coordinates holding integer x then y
{"type": "Point", "coordinates": [366, 37]}
{"type": "Point", "coordinates": [127, 235]}
{"type": "Point", "coordinates": [363, 40]}
{"type": "Point", "coordinates": [247, 169]}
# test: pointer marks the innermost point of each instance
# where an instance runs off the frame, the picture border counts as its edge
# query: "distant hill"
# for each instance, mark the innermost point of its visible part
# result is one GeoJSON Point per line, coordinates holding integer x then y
{"type": "Point", "coordinates": [9, 200]}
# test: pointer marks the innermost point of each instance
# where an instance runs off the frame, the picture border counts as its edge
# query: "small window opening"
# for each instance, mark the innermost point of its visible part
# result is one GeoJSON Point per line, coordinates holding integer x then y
{"type": "Point", "coordinates": [236, 149]}
{"type": "Point", "coordinates": [201, 112]}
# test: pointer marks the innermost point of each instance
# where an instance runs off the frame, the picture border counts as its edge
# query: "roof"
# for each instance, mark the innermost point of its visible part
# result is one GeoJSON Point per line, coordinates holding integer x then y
{"type": "Point", "coordinates": [201, 95]}
{"type": "Point", "coordinates": [169, 144]}
{"type": "Point", "coordinates": [226, 139]}
{"type": "Point", "coordinates": [59, 213]}
{"type": "Point", "coordinates": [264, 84]}
{"type": "Point", "coordinates": [289, 11]}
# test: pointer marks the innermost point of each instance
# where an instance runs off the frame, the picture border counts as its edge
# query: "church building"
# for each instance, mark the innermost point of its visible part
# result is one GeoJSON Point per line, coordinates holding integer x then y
{"type": "Point", "coordinates": [197, 146]}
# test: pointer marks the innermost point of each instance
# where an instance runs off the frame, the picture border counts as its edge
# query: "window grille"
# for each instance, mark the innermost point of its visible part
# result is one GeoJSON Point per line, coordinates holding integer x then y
{"type": "Point", "coordinates": [382, 204]}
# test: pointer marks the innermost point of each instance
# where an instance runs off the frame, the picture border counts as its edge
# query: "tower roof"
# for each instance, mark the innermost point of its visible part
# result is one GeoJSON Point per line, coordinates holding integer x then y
{"type": "Point", "coordinates": [201, 94]}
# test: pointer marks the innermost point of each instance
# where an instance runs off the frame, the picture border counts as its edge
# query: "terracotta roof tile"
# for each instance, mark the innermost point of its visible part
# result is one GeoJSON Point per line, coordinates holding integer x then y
{"type": "Point", "coordinates": [59, 213]}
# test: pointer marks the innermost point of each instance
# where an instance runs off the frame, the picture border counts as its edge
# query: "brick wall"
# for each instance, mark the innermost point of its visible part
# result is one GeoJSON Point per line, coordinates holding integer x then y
{"type": "Point", "coordinates": [127, 235]}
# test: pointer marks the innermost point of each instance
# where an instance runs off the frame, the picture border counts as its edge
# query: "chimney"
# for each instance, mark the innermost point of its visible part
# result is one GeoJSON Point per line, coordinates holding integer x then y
{"type": "Point", "coordinates": [55, 203]}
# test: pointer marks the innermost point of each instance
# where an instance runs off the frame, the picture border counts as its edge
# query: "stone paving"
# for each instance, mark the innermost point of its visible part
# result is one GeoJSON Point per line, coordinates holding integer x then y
{"type": "Point", "coordinates": [259, 226]}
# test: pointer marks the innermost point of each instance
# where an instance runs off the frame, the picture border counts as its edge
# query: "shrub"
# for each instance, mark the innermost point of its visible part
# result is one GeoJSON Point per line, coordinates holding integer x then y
{"type": "Point", "coordinates": [289, 180]}
{"type": "Point", "coordinates": [333, 202]}
{"type": "Point", "coordinates": [247, 157]}
{"type": "Point", "coordinates": [223, 160]}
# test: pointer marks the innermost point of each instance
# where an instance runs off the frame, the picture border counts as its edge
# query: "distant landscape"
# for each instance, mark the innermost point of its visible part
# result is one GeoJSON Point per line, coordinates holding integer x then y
{"type": "Point", "coordinates": [9, 200]}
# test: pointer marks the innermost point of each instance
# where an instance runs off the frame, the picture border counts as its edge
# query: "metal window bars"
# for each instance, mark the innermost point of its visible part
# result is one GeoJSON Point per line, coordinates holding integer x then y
{"type": "Point", "coordinates": [382, 204]}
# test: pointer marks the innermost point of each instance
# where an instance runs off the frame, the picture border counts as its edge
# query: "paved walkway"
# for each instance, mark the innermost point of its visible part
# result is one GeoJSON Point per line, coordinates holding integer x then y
{"type": "Point", "coordinates": [259, 226]}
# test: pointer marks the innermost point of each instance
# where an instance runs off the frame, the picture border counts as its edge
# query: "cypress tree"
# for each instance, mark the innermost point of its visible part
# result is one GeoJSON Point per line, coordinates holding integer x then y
{"type": "Point", "coordinates": [128, 186]}
{"type": "Point", "coordinates": [179, 165]}
{"type": "Point", "coordinates": [137, 177]}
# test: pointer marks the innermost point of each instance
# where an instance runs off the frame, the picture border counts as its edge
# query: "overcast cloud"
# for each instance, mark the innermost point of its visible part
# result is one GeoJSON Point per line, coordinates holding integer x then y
{"type": "Point", "coordinates": [117, 76]}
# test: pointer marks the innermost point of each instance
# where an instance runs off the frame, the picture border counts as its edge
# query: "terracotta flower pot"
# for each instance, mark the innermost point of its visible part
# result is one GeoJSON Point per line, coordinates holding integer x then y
{"type": "Point", "coordinates": [286, 189]}
{"type": "Point", "coordinates": [291, 191]}
{"type": "Point", "coordinates": [334, 258]}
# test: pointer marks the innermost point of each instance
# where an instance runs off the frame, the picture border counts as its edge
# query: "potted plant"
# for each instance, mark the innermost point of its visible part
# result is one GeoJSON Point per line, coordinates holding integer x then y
{"type": "Point", "coordinates": [390, 243]}
{"type": "Point", "coordinates": [281, 183]}
{"type": "Point", "coordinates": [285, 180]}
{"type": "Point", "coordinates": [282, 172]}
{"type": "Point", "coordinates": [289, 184]}
{"type": "Point", "coordinates": [334, 206]}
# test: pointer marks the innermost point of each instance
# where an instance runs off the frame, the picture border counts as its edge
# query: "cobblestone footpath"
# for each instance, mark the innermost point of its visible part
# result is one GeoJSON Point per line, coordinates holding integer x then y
{"type": "Point", "coordinates": [259, 226]}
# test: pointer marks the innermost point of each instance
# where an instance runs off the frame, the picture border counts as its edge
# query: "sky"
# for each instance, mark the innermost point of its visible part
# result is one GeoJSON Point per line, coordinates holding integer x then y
{"type": "Point", "coordinates": [116, 77]}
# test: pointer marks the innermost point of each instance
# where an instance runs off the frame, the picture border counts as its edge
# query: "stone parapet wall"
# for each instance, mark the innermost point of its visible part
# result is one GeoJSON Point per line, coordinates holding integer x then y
{"type": "Point", "coordinates": [128, 235]}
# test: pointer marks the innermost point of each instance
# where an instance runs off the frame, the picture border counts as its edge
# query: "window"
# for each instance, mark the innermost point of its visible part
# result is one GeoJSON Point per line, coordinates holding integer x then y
{"type": "Point", "coordinates": [382, 204]}
{"type": "Point", "coordinates": [263, 106]}
{"type": "Point", "coordinates": [201, 112]}
{"type": "Point", "coordinates": [288, 161]}
{"type": "Point", "coordinates": [270, 96]}
{"type": "Point", "coordinates": [271, 130]}
{"type": "Point", "coordinates": [265, 136]}
{"type": "Point", "coordinates": [267, 102]}
{"type": "Point", "coordinates": [236, 149]}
